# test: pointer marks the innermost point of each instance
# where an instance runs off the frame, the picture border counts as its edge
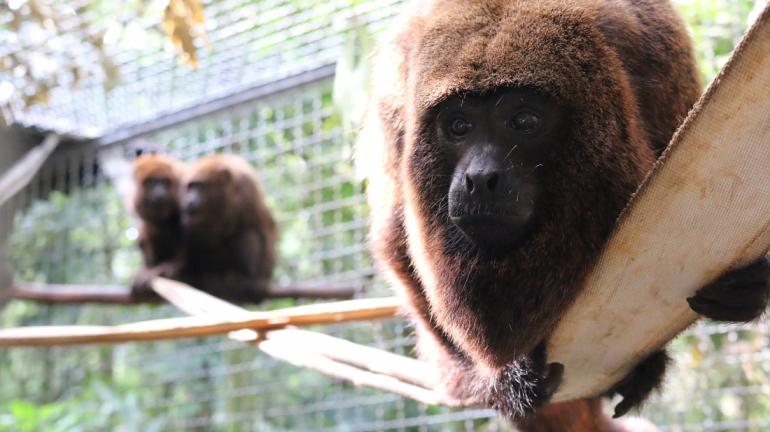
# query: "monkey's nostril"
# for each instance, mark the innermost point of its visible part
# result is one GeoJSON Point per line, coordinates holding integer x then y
{"type": "Point", "coordinates": [468, 183]}
{"type": "Point", "coordinates": [192, 208]}
{"type": "Point", "coordinates": [492, 182]}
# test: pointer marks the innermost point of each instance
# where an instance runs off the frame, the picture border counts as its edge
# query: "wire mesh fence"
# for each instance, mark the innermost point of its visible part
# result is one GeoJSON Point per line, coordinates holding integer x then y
{"type": "Point", "coordinates": [265, 92]}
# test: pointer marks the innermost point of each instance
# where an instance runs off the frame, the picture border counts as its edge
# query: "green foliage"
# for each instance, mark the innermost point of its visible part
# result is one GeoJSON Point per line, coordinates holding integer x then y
{"type": "Point", "coordinates": [352, 78]}
{"type": "Point", "coordinates": [78, 238]}
{"type": "Point", "coordinates": [715, 26]}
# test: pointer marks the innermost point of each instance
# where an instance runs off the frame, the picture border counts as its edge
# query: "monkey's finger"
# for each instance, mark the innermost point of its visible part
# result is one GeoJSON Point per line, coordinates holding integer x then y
{"type": "Point", "coordinates": [551, 381]}
{"type": "Point", "coordinates": [623, 407]}
{"type": "Point", "coordinates": [716, 310]}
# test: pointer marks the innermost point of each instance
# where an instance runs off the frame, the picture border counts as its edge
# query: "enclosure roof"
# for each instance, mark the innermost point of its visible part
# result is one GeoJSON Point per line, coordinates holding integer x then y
{"type": "Point", "coordinates": [248, 44]}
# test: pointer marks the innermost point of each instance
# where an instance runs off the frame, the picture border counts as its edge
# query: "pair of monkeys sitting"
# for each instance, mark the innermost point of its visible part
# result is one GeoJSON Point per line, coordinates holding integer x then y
{"type": "Point", "coordinates": [206, 225]}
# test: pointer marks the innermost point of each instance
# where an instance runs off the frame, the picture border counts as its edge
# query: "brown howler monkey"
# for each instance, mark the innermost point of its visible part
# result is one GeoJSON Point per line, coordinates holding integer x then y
{"type": "Point", "coordinates": [157, 179]}
{"type": "Point", "coordinates": [508, 135]}
{"type": "Point", "coordinates": [229, 232]}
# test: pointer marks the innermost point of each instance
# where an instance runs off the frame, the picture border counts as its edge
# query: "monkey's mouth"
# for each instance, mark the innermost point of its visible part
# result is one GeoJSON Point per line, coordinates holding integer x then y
{"type": "Point", "coordinates": [493, 231]}
{"type": "Point", "coordinates": [192, 220]}
{"type": "Point", "coordinates": [158, 212]}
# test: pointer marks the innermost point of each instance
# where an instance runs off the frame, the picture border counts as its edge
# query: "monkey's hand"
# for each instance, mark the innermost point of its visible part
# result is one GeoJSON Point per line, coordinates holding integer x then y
{"type": "Point", "coordinates": [141, 285]}
{"type": "Point", "coordinates": [525, 385]}
{"type": "Point", "coordinates": [643, 379]}
{"type": "Point", "coordinates": [740, 295]}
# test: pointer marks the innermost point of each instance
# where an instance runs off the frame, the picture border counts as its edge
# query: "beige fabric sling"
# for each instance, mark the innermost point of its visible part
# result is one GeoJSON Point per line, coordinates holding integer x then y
{"type": "Point", "coordinates": [705, 209]}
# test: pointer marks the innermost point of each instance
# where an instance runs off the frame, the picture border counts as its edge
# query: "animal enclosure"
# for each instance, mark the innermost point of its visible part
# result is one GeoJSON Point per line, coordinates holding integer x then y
{"type": "Point", "coordinates": [265, 89]}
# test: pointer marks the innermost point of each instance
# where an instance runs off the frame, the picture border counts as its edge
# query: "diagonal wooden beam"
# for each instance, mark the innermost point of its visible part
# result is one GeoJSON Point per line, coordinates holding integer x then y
{"type": "Point", "coordinates": [204, 324]}
{"type": "Point", "coordinates": [359, 364]}
{"type": "Point", "coordinates": [704, 210]}
{"type": "Point", "coordinates": [25, 169]}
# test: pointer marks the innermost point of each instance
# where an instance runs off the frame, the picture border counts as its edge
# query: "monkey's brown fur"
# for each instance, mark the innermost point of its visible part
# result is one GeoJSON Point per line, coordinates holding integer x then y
{"type": "Point", "coordinates": [625, 72]}
{"type": "Point", "coordinates": [229, 250]}
{"type": "Point", "coordinates": [583, 415]}
{"type": "Point", "coordinates": [160, 233]}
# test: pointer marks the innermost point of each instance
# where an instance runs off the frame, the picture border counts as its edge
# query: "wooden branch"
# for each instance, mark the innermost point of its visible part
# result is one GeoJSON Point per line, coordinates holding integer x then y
{"type": "Point", "coordinates": [704, 210]}
{"type": "Point", "coordinates": [67, 293]}
{"type": "Point", "coordinates": [372, 359]}
{"type": "Point", "coordinates": [313, 291]}
{"type": "Point", "coordinates": [195, 302]}
{"type": "Point", "coordinates": [332, 356]}
{"type": "Point", "coordinates": [25, 169]}
{"type": "Point", "coordinates": [299, 356]}
{"type": "Point", "coordinates": [118, 294]}
{"type": "Point", "coordinates": [196, 326]}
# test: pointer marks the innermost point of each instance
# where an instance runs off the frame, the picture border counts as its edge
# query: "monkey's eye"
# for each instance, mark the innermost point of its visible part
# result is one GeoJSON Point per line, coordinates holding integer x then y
{"type": "Point", "coordinates": [526, 122]}
{"type": "Point", "coordinates": [196, 186]}
{"type": "Point", "coordinates": [460, 127]}
{"type": "Point", "coordinates": [155, 181]}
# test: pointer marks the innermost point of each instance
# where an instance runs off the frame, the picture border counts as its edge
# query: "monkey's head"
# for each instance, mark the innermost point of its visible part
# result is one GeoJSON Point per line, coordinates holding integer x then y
{"type": "Point", "coordinates": [521, 121]}
{"type": "Point", "coordinates": [220, 195]}
{"type": "Point", "coordinates": [519, 145]}
{"type": "Point", "coordinates": [157, 179]}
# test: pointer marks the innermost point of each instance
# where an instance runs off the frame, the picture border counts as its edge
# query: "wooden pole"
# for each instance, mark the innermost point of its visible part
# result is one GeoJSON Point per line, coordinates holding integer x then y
{"type": "Point", "coordinates": [332, 356]}
{"type": "Point", "coordinates": [25, 169]}
{"type": "Point", "coordinates": [118, 294]}
{"type": "Point", "coordinates": [68, 293]}
{"type": "Point", "coordinates": [202, 325]}
{"type": "Point", "coordinates": [704, 210]}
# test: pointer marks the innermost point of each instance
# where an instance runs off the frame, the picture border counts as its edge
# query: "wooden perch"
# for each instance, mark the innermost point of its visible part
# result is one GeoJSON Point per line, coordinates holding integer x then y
{"type": "Point", "coordinates": [313, 290]}
{"type": "Point", "coordinates": [705, 209]}
{"type": "Point", "coordinates": [118, 294]}
{"type": "Point", "coordinates": [66, 293]}
{"type": "Point", "coordinates": [301, 357]}
{"type": "Point", "coordinates": [359, 364]}
{"type": "Point", "coordinates": [206, 325]}
{"type": "Point", "coordinates": [372, 359]}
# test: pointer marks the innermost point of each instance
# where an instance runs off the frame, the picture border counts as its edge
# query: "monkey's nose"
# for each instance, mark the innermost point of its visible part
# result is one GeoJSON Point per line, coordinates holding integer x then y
{"type": "Point", "coordinates": [193, 207]}
{"type": "Point", "coordinates": [481, 183]}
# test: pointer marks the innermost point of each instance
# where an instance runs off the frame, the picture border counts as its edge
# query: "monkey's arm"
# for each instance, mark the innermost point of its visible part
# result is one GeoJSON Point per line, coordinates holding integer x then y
{"type": "Point", "coordinates": [141, 288]}
{"type": "Point", "coordinates": [516, 390]}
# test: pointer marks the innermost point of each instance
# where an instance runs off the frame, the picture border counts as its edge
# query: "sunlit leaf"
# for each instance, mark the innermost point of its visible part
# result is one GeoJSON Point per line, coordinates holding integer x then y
{"type": "Point", "coordinates": [183, 24]}
{"type": "Point", "coordinates": [41, 12]}
{"type": "Point", "coordinates": [111, 73]}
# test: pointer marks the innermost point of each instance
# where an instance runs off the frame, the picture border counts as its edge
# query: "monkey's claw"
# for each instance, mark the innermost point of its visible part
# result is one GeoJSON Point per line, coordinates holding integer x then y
{"type": "Point", "coordinates": [548, 384]}
{"type": "Point", "coordinates": [739, 295]}
{"type": "Point", "coordinates": [642, 380]}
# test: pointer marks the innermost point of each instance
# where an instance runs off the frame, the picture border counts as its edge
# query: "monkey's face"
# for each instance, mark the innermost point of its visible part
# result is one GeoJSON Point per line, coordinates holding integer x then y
{"type": "Point", "coordinates": [158, 200]}
{"type": "Point", "coordinates": [205, 201]}
{"type": "Point", "coordinates": [497, 147]}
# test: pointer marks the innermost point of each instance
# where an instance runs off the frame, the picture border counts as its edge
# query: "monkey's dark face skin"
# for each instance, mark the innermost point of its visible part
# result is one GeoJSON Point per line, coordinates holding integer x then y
{"type": "Point", "coordinates": [158, 201]}
{"type": "Point", "coordinates": [498, 144]}
{"type": "Point", "coordinates": [205, 203]}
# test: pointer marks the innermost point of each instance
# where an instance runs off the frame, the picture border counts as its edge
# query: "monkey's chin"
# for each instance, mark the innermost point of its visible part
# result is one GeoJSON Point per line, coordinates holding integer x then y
{"type": "Point", "coordinates": [493, 233]}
